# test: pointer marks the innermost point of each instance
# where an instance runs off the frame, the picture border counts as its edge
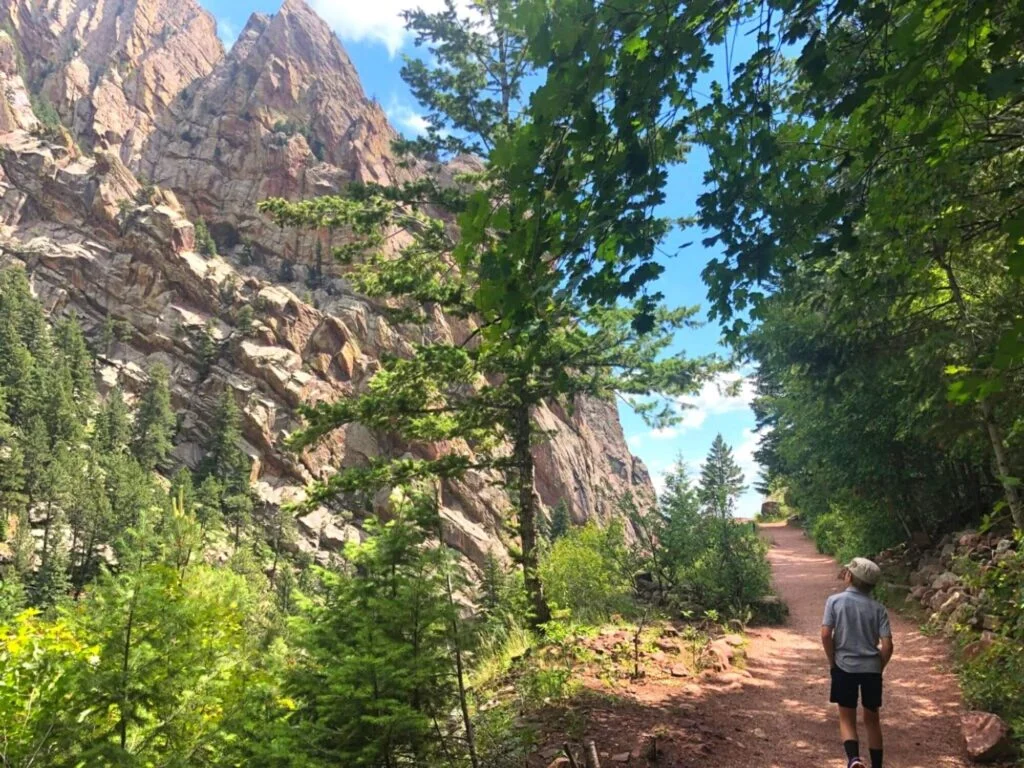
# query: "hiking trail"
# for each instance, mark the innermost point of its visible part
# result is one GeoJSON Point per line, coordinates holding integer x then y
{"type": "Point", "coordinates": [776, 712]}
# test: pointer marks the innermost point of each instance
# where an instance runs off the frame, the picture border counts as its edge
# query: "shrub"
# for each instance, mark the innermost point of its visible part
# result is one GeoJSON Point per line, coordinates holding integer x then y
{"type": "Point", "coordinates": [731, 572]}
{"type": "Point", "coordinates": [204, 240]}
{"type": "Point", "coordinates": [854, 528]}
{"type": "Point", "coordinates": [993, 679]}
{"type": "Point", "coordinates": [587, 572]}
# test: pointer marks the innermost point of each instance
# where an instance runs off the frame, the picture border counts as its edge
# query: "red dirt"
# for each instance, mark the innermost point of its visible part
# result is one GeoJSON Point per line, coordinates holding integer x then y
{"type": "Point", "coordinates": [779, 715]}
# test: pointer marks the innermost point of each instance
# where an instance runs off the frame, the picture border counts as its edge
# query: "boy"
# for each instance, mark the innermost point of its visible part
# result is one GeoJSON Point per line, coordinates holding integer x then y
{"type": "Point", "coordinates": [858, 643]}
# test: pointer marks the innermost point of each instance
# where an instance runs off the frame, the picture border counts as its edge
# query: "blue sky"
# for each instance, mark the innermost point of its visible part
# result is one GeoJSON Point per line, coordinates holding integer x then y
{"type": "Point", "coordinates": [373, 35]}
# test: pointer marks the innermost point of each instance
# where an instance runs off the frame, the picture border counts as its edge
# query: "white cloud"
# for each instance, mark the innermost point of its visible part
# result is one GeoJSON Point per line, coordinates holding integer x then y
{"type": "Point", "coordinates": [375, 20]}
{"type": "Point", "coordinates": [226, 32]}
{"type": "Point", "coordinates": [744, 455]}
{"type": "Point", "coordinates": [407, 119]}
{"type": "Point", "coordinates": [726, 393]}
{"type": "Point", "coordinates": [635, 441]}
{"type": "Point", "coordinates": [664, 433]}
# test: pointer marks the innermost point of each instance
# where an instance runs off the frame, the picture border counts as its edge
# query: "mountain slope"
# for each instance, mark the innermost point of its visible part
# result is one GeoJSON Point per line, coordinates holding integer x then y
{"type": "Point", "coordinates": [144, 91]}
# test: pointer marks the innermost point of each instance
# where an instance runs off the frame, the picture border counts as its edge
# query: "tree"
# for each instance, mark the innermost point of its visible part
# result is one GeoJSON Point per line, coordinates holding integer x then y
{"type": "Point", "coordinates": [204, 240]}
{"type": "Point", "coordinates": [721, 480]}
{"type": "Point", "coordinates": [113, 424]}
{"type": "Point", "coordinates": [155, 423]}
{"type": "Point", "coordinates": [226, 463]}
{"type": "Point", "coordinates": [560, 520]}
{"type": "Point", "coordinates": [876, 189]}
{"type": "Point", "coordinates": [553, 284]}
{"type": "Point", "coordinates": [389, 621]}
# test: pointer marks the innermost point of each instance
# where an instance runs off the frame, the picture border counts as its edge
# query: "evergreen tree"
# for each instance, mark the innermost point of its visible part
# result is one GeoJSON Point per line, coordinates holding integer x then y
{"type": "Point", "coordinates": [721, 480]}
{"type": "Point", "coordinates": [113, 424]}
{"type": "Point", "coordinates": [390, 619]}
{"type": "Point", "coordinates": [52, 582]}
{"type": "Point", "coordinates": [227, 464]}
{"type": "Point", "coordinates": [13, 471]}
{"type": "Point", "coordinates": [155, 423]}
{"type": "Point", "coordinates": [75, 356]}
{"type": "Point", "coordinates": [554, 285]}
{"type": "Point", "coordinates": [560, 520]}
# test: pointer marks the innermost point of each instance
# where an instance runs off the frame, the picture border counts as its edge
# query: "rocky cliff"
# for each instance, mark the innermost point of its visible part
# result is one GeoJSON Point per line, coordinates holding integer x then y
{"type": "Point", "coordinates": [124, 122]}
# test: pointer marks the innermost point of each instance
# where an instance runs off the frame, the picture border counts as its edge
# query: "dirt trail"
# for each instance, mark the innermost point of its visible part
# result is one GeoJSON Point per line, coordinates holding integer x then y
{"type": "Point", "coordinates": [775, 712]}
{"type": "Point", "coordinates": [786, 699]}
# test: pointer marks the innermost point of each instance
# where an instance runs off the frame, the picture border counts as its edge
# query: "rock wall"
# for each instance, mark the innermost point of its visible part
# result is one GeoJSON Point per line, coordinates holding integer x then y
{"type": "Point", "coordinates": [144, 90]}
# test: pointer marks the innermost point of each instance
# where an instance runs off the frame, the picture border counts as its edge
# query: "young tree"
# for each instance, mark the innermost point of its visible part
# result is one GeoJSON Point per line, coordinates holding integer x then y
{"type": "Point", "coordinates": [228, 465]}
{"type": "Point", "coordinates": [113, 424]}
{"type": "Point", "coordinates": [155, 422]}
{"type": "Point", "coordinates": [721, 480]}
{"type": "Point", "coordinates": [378, 678]}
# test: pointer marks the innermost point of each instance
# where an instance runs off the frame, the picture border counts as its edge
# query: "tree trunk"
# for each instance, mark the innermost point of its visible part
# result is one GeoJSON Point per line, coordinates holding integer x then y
{"type": "Point", "coordinates": [467, 721]}
{"type": "Point", "coordinates": [122, 726]}
{"type": "Point", "coordinates": [523, 458]}
{"type": "Point", "coordinates": [995, 434]}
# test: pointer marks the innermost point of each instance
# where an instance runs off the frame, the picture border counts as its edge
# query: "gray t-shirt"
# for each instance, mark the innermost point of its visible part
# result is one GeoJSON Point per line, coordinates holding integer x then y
{"type": "Point", "coordinates": [858, 622]}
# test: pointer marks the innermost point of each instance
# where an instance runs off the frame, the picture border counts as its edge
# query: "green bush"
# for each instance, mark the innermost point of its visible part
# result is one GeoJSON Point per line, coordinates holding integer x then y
{"type": "Point", "coordinates": [731, 572]}
{"type": "Point", "coordinates": [587, 572]}
{"type": "Point", "coordinates": [992, 681]}
{"type": "Point", "coordinates": [204, 240]}
{"type": "Point", "coordinates": [853, 528]}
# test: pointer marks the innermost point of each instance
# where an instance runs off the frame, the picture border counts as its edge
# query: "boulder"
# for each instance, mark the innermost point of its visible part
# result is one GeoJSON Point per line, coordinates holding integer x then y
{"type": "Point", "coordinates": [721, 655]}
{"type": "Point", "coordinates": [678, 670]}
{"type": "Point", "coordinates": [945, 580]}
{"type": "Point", "coordinates": [938, 600]}
{"type": "Point", "coordinates": [975, 649]}
{"type": "Point", "coordinates": [1004, 545]}
{"type": "Point", "coordinates": [986, 736]}
{"type": "Point", "coordinates": [951, 603]}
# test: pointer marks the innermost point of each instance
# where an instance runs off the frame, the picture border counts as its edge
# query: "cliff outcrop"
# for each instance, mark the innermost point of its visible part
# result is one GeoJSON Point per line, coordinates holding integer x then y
{"type": "Point", "coordinates": [159, 128]}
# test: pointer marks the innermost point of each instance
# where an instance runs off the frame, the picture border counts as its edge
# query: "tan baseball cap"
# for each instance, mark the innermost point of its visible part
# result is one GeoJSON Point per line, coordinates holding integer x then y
{"type": "Point", "coordinates": [865, 570]}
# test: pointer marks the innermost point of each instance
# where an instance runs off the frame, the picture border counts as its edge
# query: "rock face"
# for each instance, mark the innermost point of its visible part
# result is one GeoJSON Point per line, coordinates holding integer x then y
{"type": "Point", "coordinates": [111, 69]}
{"type": "Point", "coordinates": [143, 89]}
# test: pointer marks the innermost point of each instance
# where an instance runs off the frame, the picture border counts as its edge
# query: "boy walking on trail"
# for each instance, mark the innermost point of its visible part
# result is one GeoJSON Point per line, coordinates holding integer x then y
{"type": "Point", "coordinates": [858, 642]}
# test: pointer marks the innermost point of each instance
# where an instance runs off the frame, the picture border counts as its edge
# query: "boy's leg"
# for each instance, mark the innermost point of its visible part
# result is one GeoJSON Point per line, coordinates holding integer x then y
{"type": "Point", "coordinates": [848, 731]}
{"type": "Point", "coordinates": [844, 693]}
{"type": "Point", "coordinates": [871, 690]}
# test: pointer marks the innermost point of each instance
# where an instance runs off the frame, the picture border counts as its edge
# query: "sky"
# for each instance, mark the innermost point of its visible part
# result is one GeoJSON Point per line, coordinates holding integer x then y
{"type": "Point", "coordinates": [374, 36]}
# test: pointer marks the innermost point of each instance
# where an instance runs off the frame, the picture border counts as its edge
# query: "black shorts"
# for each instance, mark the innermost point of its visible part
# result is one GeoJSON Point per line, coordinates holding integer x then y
{"type": "Point", "coordinates": [845, 686]}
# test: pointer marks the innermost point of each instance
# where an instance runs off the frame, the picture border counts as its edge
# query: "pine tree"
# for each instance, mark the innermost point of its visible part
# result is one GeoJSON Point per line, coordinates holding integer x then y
{"type": "Point", "coordinates": [721, 480]}
{"type": "Point", "coordinates": [378, 676]}
{"type": "Point", "coordinates": [113, 424]}
{"type": "Point", "coordinates": [229, 466]}
{"type": "Point", "coordinates": [13, 471]}
{"type": "Point", "coordinates": [560, 520]}
{"type": "Point", "coordinates": [52, 582]}
{"type": "Point", "coordinates": [76, 357]}
{"type": "Point", "coordinates": [554, 285]}
{"type": "Point", "coordinates": [155, 422]}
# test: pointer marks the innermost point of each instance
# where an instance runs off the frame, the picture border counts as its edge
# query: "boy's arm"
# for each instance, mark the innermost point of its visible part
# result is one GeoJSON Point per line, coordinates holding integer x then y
{"type": "Point", "coordinates": [885, 646]}
{"type": "Point", "coordinates": [885, 649]}
{"type": "Point", "coordinates": [829, 645]}
{"type": "Point", "coordinates": [828, 621]}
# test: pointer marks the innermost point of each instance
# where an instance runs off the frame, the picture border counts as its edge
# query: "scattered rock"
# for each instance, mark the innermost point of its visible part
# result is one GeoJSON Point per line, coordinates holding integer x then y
{"type": "Point", "coordinates": [734, 640]}
{"type": "Point", "coordinates": [759, 733]}
{"type": "Point", "coordinates": [986, 736]}
{"type": "Point", "coordinates": [945, 580]}
{"type": "Point", "coordinates": [621, 757]}
{"type": "Point", "coordinates": [973, 650]}
{"type": "Point", "coordinates": [1004, 545]}
{"type": "Point", "coordinates": [678, 670]}
{"type": "Point", "coordinates": [667, 646]}
{"type": "Point", "coordinates": [560, 762]}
